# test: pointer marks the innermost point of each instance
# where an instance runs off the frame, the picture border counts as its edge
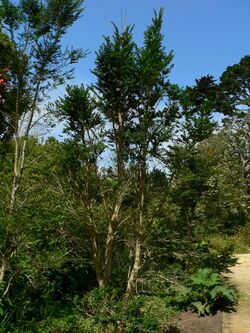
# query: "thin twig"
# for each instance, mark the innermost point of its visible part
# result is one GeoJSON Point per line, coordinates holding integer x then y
{"type": "Point", "coordinates": [9, 283]}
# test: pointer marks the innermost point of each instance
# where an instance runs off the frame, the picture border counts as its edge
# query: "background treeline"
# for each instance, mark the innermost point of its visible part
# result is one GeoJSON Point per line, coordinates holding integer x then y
{"type": "Point", "coordinates": [134, 215]}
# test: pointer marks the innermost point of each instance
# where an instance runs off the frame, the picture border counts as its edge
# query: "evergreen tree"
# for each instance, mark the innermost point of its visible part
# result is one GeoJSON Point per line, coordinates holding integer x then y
{"type": "Point", "coordinates": [35, 30]}
{"type": "Point", "coordinates": [235, 87]}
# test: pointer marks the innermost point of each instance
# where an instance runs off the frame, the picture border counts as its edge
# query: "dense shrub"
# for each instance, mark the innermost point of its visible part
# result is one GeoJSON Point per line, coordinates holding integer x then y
{"type": "Point", "coordinates": [204, 292]}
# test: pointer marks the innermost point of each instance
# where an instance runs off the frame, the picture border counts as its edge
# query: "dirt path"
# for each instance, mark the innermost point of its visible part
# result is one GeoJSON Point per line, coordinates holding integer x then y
{"type": "Point", "coordinates": [239, 321]}
{"type": "Point", "coordinates": [189, 322]}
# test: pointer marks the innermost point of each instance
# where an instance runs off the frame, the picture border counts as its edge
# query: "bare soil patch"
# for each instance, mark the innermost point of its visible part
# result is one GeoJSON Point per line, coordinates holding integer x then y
{"type": "Point", "coordinates": [189, 322]}
{"type": "Point", "coordinates": [238, 321]}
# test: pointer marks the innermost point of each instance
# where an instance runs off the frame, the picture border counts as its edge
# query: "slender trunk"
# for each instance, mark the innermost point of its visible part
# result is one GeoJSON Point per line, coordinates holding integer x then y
{"type": "Point", "coordinates": [110, 240]}
{"type": "Point", "coordinates": [2, 270]}
{"type": "Point", "coordinates": [5, 256]}
{"type": "Point", "coordinates": [14, 188]}
{"type": "Point", "coordinates": [120, 146]}
{"type": "Point", "coordinates": [3, 267]}
{"type": "Point", "coordinates": [20, 152]}
{"type": "Point", "coordinates": [140, 228]}
{"type": "Point", "coordinates": [130, 260]}
{"type": "Point", "coordinates": [108, 254]}
{"type": "Point", "coordinates": [113, 223]}
{"type": "Point", "coordinates": [136, 267]}
{"type": "Point", "coordinates": [96, 254]}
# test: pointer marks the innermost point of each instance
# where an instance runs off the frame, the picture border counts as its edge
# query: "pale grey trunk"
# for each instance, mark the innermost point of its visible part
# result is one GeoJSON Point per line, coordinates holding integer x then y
{"type": "Point", "coordinates": [139, 229]}
{"type": "Point", "coordinates": [110, 240]}
{"type": "Point", "coordinates": [2, 270]}
{"type": "Point", "coordinates": [120, 146]}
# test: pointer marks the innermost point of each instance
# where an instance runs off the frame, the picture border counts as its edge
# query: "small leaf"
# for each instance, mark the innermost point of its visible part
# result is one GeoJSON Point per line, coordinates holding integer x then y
{"type": "Point", "coordinates": [200, 307]}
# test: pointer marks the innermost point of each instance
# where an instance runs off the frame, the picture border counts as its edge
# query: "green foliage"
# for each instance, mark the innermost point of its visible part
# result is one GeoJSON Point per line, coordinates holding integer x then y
{"type": "Point", "coordinates": [131, 80]}
{"type": "Point", "coordinates": [207, 292]}
{"type": "Point", "coordinates": [75, 206]}
{"type": "Point", "coordinates": [218, 258]}
{"type": "Point", "coordinates": [239, 240]}
{"type": "Point", "coordinates": [37, 69]}
{"type": "Point", "coordinates": [6, 87]}
{"type": "Point", "coordinates": [108, 309]}
{"type": "Point", "coordinates": [78, 109]}
{"type": "Point", "coordinates": [199, 102]}
{"type": "Point", "coordinates": [225, 204]}
{"type": "Point", "coordinates": [234, 83]}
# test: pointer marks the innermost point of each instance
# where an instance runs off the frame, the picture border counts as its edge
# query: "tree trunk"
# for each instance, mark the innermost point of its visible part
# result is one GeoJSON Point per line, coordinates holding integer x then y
{"type": "Point", "coordinates": [120, 146]}
{"type": "Point", "coordinates": [139, 230]}
{"type": "Point", "coordinates": [3, 269]}
{"type": "Point", "coordinates": [136, 267]}
{"type": "Point", "coordinates": [113, 223]}
{"type": "Point", "coordinates": [108, 255]}
{"type": "Point", "coordinates": [110, 240]}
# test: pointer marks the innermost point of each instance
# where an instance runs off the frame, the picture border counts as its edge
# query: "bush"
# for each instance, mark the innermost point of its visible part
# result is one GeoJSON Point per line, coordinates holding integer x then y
{"type": "Point", "coordinates": [108, 311]}
{"type": "Point", "coordinates": [217, 257]}
{"type": "Point", "coordinates": [239, 241]}
{"type": "Point", "coordinates": [206, 292]}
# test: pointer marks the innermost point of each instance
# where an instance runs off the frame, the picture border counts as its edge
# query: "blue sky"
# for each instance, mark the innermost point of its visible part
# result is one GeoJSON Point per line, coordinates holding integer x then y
{"type": "Point", "coordinates": [205, 35]}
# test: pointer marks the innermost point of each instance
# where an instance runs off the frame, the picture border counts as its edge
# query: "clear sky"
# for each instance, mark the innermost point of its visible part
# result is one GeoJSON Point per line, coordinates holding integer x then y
{"type": "Point", "coordinates": [205, 35]}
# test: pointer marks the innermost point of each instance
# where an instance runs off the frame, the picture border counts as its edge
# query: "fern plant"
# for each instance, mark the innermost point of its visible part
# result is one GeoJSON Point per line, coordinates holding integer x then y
{"type": "Point", "coordinates": [207, 292]}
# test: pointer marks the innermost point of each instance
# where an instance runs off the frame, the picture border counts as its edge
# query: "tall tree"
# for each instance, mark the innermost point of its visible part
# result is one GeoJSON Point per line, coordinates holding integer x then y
{"type": "Point", "coordinates": [151, 127]}
{"type": "Point", "coordinates": [82, 150]}
{"type": "Point", "coordinates": [35, 30]}
{"type": "Point", "coordinates": [188, 167]}
{"type": "Point", "coordinates": [116, 88]}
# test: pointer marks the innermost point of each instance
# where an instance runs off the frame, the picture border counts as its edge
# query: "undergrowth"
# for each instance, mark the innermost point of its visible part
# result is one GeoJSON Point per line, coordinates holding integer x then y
{"type": "Point", "coordinates": [240, 240]}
